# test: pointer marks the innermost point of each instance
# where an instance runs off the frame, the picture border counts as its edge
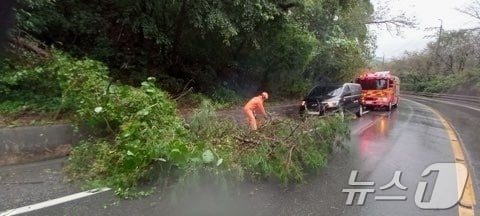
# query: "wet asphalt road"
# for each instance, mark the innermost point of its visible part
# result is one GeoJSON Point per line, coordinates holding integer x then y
{"type": "Point", "coordinates": [22, 185]}
{"type": "Point", "coordinates": [465, 118]}
{"type": "Point", "coordinates": [406, 140]}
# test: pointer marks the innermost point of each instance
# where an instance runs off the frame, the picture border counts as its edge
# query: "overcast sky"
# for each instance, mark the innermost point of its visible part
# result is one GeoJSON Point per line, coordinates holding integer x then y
{"type": "Point", "coordinates": [428, 13]}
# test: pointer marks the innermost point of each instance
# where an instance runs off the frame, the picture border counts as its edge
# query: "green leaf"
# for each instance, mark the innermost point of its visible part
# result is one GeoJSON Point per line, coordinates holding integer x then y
{"type": "Point", "coordinates": [98, 109]}
{"type": "Point", "coordinates": [207, 156]}
{"type": "Point", "coordinates": [125, 135]}
{"type": "Point", "coordinates": [175, 150]}
{"type": "Point", "coordinates": [195, 159]}
{"type": "Point", "coordinates": [143, 112]}
{"type": "Point", "coordinates": [220, 161]}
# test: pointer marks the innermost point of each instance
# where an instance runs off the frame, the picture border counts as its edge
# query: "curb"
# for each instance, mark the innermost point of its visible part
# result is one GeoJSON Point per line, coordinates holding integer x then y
{"type": "Point", "coordinates": [33, 143]}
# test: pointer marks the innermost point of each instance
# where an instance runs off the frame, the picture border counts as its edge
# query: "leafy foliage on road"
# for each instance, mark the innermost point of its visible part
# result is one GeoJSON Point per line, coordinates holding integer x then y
{"type": "Point", "coordinates": [139, 128]}
{"type": "Point", "coordinates": [282, 148]}
{"type": "Point", "coordinates": [143, 139]}
{"type": "Point", "coordinates": [140, 136]}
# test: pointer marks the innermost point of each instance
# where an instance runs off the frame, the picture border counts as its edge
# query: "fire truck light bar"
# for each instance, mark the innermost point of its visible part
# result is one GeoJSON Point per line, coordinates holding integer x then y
{"type": "Point", "coordinates": [385, 74]}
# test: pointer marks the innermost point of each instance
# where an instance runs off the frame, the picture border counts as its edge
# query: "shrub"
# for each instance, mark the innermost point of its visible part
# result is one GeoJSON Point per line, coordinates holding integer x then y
{"type": "Point", "coordinates": [145, 130]}
{"type": "Point", "coordinates": [461, 83]}
{"type": "Point", "coordinates": [191, 100]}
{"type": "Point", "coordinates": [142, 128]}
{"type": "Point", "coordinates": [29, 87]}
{"type": "Point", "coordinates": [223, 95]}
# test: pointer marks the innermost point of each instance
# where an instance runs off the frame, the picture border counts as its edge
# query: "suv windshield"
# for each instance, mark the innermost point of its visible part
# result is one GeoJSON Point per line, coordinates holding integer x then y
{"type": "Point", "coordinates": [326, 90]}
{"type": "Point", "coordinates": [373, 84]}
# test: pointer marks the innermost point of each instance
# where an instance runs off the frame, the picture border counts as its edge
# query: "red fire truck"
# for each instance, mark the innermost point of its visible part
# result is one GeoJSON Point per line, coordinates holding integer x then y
{"type": "Point", "coordinates": [379, 89]}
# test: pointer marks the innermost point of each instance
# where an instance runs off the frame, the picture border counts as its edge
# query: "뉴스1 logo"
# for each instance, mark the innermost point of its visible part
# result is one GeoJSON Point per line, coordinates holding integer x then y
{"type": "Point", "coordinates": [447, 189]}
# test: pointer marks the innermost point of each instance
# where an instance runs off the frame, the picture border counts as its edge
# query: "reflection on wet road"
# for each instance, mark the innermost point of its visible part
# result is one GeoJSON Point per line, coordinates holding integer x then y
{"type": "Point", "coordinates": [405, 141]}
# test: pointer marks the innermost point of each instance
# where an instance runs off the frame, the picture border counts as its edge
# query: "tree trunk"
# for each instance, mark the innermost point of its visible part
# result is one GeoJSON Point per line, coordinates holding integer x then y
{"type": "Point", "coordinates": [181, 19]}
{"type": "Point", "coordinates": [6, 20]}
{"type": "Point", "coordinates": [22, 42]}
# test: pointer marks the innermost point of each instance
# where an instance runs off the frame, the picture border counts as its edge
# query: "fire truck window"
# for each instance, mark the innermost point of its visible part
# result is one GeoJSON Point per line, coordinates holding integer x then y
{"type": "Point", "coordinates": [391, 83]}
{"type": "Point", "coordinates": [381, 84]}
{"type": "Point", "coordinates": [373, 84]}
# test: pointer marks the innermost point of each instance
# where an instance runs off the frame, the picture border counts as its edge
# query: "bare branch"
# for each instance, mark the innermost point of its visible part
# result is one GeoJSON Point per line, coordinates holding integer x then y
{"type": "Point", "coordinates": [183, 94]}
{"type": "Point", "coordinates": [472, 9]}
{"type": "Point", "coordinates": [386, 19]}
{"type": "Point", "coordinates": [396, 22]}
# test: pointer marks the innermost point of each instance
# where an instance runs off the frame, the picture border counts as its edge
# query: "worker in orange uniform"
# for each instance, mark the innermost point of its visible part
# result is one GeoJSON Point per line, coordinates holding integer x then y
{"type": "Point", "coordinates": [256, 103]}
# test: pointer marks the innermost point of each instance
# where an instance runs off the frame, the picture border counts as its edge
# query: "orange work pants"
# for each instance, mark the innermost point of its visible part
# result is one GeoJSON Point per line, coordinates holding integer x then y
{"type": "Point", "coordinates": [251, 118]}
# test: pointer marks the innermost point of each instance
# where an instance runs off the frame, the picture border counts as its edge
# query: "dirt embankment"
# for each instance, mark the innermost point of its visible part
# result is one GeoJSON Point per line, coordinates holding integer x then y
{"type": "Point", "coordinates": [32, 119]}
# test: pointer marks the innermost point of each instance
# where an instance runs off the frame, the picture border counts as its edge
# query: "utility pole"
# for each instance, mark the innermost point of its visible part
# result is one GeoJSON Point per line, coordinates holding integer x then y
{"type": "Point", "coordinates": [437, 55]}
{"type": "Point", "coordinates": [383, 61]}
{"type": "Point", "coordinates": [439, 36]}
{"type": "Point", "coordinates": [441, 29]}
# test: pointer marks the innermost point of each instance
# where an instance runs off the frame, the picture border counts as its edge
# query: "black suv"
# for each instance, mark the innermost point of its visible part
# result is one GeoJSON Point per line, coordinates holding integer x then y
{"type": "Point", "coordinates": [323, 99]}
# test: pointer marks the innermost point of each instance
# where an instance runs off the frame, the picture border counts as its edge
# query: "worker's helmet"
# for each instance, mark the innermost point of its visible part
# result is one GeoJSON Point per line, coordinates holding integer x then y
{"type": "Point", "coordinates": [264, 95]}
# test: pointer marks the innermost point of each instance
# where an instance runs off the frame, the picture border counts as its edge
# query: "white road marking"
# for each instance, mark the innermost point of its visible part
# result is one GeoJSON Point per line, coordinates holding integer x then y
{"type": "Point", "coordinates": [368, 125]}
{"type": "Point", "coordinates": [53, 202]}
{"type": "Point", "coordinates": [365, 112]}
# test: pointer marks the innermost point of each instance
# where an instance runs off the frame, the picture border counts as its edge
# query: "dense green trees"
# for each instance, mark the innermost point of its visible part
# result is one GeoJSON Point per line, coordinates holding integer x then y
{"type": "Point", "coordinates": [243, 45]}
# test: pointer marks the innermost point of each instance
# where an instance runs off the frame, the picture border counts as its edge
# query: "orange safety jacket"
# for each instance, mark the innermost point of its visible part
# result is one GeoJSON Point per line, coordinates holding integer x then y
{"type": "Point", "coordinates": [256, 103]}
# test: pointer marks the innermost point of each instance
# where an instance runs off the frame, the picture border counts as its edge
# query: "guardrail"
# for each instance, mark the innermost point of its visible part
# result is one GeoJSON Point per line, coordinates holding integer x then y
{"type": "Point", "coordinates": [466, 98]}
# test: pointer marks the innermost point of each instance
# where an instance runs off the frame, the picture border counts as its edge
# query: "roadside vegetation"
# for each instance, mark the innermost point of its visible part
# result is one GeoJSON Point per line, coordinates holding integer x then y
{"type": "Point", "coordinates": [125, 70]}
{"type": "Point", "coordinates": [449, 64]}
{"type": "Point", "coordinates": [138, 135]}
{"type": "Point", "coordinates": [225, 51]}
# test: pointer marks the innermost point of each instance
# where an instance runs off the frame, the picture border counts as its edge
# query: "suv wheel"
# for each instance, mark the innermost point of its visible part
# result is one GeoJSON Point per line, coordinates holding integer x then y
{"type": "Point", "coordinates": [360, 112]}
{"type": "Point", "coordinates": [321, 111]}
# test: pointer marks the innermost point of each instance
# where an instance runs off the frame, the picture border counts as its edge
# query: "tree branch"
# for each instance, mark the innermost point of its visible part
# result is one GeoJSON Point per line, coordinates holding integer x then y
{"type": "Point", "coordinates": [22, 42]}
{"type": "Point", "coordinates": [396, 22]}
{"type": "Point", "coordinates": [472, 10]}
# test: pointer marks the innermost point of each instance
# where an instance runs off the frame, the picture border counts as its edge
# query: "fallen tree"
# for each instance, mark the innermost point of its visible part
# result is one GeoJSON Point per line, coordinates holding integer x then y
{"type": "Point", "coordinates": [142, 138]}
{"type": "Point", "coordinates": [282, 148]}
